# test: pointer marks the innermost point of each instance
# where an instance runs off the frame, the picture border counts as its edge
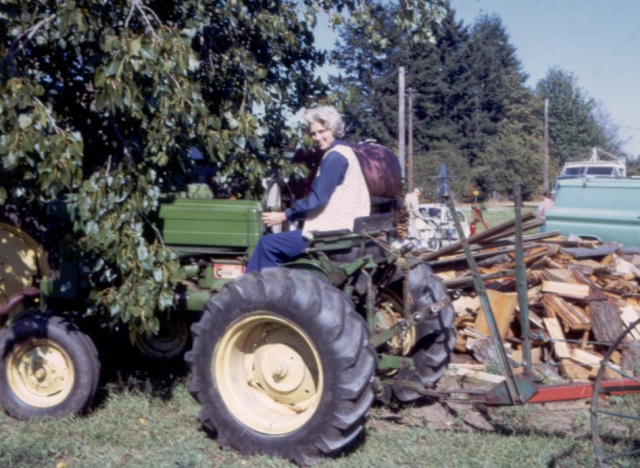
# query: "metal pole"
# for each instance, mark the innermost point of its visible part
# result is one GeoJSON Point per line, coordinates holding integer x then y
{"type": "Point", "coordinates": [513, 392]}
{"type": "Point", "coordinates": [521, 286]}
{"type": "Point", "coordinates": [410, 93]}
{"type": "Point", "coordinates": [401, 117]}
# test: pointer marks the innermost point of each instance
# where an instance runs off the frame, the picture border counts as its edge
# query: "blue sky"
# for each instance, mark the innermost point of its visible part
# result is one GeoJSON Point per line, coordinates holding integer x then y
{"type": "Point", "coordinates": [596, 40]}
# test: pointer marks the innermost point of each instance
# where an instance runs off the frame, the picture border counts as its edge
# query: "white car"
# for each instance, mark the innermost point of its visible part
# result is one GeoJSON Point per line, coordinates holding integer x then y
{"type": "Point", "coordinates": [437, 227]}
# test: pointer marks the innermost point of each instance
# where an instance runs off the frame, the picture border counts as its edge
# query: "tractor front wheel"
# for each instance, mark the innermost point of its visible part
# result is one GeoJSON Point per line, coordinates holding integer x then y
{"type": "Point", "coordinates": [48, 368]}
{"type": "Point", "coordinates": [282, 366]}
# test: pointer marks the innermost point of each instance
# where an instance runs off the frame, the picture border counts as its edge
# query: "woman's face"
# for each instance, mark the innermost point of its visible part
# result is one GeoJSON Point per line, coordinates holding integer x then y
{"type": "Point", "coordinates": [321, 135]}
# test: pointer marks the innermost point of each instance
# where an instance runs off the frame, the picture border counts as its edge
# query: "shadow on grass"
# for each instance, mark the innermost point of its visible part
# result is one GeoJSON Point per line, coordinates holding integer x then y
{"type": "Point", "coordinates": [498, 424]}
{"type": "Point", "coordinates": [125, 369]}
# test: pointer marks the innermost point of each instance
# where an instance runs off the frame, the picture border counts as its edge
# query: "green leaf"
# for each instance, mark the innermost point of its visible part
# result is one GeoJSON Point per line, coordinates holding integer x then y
{"type": "Point", "coordinates": [143, 253]}
{"type": "Point", "coordinates": [113, 68]}
{"type": "Point", "coordinates": [25, 121]}
{"type": "Point", "coordinates": [157, 273]}
{"type": "Point", "coordinates": [135, 46]}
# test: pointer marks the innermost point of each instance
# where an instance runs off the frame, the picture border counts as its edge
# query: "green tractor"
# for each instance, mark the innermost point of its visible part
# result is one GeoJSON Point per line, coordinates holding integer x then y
{"type": "Point", "coordinates": [285, 362]}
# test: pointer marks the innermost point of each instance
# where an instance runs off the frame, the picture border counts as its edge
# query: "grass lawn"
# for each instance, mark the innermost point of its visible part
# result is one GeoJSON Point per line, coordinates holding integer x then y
{"type": "Point", "coordinates": [138, 423]}
{"type": "Point", "coordinates": [495, 215]}
{"type": "Point", "coordinates": [143, 419]}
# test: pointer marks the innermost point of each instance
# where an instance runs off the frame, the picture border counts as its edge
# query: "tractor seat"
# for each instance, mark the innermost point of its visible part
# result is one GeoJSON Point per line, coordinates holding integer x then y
{"type": "Point", "coordinates": [341, 249]}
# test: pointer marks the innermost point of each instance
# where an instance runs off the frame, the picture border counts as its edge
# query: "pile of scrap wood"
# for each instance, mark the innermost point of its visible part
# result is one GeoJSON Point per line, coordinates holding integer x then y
{"type": "Point", "coordinates": [581, 296]}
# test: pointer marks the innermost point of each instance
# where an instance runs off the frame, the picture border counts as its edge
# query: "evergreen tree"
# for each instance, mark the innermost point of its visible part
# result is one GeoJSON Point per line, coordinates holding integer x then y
{"type": "Point", "coordinates": [496, 78]}
{"type": "Point", "coordinates": [513, 156]}
{"type": "Point", "coordinates": [367, 83]}
{"type": "Point", "coordinates": [573, 130]}
{"type": "Point", "coordinates": [438, 72]}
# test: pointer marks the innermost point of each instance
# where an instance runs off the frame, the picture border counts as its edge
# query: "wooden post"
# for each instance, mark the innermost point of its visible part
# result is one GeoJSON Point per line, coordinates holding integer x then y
{"type": "Point", "coordinates": [545, 183]}
{"type": "Point", "coordinates": [410, 94]}
{"type": "Point", "coordinates": [401, 117]}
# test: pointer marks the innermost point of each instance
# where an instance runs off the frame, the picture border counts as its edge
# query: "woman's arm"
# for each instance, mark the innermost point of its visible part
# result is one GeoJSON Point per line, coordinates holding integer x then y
{"type": "Point", "coordinates": [332, 171]}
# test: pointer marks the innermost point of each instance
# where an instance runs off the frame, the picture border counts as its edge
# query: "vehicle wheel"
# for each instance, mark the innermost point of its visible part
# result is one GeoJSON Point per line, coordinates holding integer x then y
{"type": "Point", "coordinates": [282, 365]}
{"type": "Point", "coordinates": [432, 340]}
{"type": "Point", "coordinates": [615, 420]}
{"type": "Point", "coordinates": [171, 341]}
{"type": "Point", "coordinates": [48, 368]}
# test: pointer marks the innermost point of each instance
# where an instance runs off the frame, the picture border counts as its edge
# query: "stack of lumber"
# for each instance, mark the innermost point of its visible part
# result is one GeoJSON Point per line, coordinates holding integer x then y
{"type": "Point", "coordinates": [581, 297]}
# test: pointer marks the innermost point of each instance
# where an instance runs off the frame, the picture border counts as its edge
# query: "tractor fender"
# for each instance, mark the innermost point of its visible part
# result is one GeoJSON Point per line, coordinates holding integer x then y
{"type": "Point", "coordinates": [21, 259]}
{"type": "Point", "coordinates": [380, 168]}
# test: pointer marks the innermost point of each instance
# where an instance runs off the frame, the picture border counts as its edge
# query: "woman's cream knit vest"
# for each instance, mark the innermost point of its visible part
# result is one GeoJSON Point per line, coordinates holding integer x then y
{"type": "Point", "coordinates": [349, 200]}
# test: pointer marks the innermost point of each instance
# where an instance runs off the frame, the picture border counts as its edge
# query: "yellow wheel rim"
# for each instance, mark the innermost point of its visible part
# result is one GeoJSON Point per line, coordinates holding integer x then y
{"type": "Point", "coordinates": [389, 314]}
{"type": "Point", "coordinates": [40, 373]}
{"type": "Point", "coordinates": [268, 373]}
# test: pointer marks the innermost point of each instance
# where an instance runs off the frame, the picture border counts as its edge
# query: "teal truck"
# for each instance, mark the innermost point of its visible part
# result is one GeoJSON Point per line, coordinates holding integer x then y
{"type": "Point", "coordinates": [607, 209]}
{"type": "Point", "coordinates": [285, 362]}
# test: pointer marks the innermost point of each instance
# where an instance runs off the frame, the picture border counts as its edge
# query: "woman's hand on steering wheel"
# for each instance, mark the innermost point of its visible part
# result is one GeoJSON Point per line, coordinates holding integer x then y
{"type": "Point", "coordinates": [273, 218]}
{"type": "Point", "coordinates": [278, 197]}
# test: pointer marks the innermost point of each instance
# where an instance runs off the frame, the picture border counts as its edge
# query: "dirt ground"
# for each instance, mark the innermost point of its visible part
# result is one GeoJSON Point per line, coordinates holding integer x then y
{"type": "Point", "coordinates": [569, 418]}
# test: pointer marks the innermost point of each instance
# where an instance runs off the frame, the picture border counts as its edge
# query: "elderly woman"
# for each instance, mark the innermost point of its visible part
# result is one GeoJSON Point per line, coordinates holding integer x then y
{"type": "Point", "coordinates": [338, 195]}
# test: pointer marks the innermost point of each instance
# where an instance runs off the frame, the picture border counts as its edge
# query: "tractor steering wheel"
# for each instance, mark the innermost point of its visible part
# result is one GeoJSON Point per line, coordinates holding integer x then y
{"type": "Point", "coordinates": [278, 197]}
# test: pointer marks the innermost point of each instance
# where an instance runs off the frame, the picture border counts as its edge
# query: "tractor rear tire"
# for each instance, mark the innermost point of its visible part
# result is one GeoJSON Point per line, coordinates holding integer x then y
{"type": "Point", "coordinates": [48, 368]}
{"type": "Point", "coordinates": [282, 365]}
{"type": "Point", "coordinates": [435, 337]}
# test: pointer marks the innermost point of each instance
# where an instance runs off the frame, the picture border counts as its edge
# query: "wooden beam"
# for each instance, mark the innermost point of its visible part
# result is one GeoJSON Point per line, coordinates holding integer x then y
{"type": "Point", "coordinates": [606, 321]}
{"type": "Point", "coordinates": [468, 280]}
{"type": "Point", "coordinates": [555, 331]}
{"type": "Point", "coordinates": [571, 316]}
{"type": "Point", "coordinates": [572, 290]}
{"type": "Point", "coordinates": [629, 314]}
{"type": "Point", "coordinates": [503, 307]}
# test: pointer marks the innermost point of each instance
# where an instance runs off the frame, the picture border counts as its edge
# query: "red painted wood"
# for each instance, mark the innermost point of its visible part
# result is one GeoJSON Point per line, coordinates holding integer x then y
{"type": "Point", "coordinates": [577, 391]}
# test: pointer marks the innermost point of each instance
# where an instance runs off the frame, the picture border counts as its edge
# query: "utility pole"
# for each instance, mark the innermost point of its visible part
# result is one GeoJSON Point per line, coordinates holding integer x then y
{"type": "Point", "coordinates": [401, 117]}
{"type": "Point", "coordinates": [410, 94]}
{"type": "Point", "coordinates": [545, 183]}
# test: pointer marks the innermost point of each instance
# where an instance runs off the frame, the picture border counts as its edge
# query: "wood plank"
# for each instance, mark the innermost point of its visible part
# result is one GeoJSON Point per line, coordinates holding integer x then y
{"type": "Point", "coordinates": [628, 316]}
{"type": "Point", "coordinates": [572, 290]}
{"type": "Point", "coordinates": [476, 254]}
{"type": "Point", "coordinates": [592, 362]}
{"type": "Point", "coordinates": [564, 274]}
{"type": "Point", "coordinates": [545, 237]}
{"type": "Point", "coordinates": [583, 278]}
{"type": "Point", "coordinates": [466, 281]}
{"type": "Point", "coordinates": [606, 321]}
{"type": "Point", "coordinates": [585, 252]}
{"type": "Point", "coordinates": [525, 227]}
{"type": "Point", "coordinates": [585, 357]}
{"type": "Point", "coordinates": [570, 315]}
{"type": "Point", "coordinates": [461, 371]}
{"type": "Point", "coordinates": [575, 371]}
{"type": "Point", "coordinates": [555, 331]}
{"type": "Point", "coordinates": [503, 307]}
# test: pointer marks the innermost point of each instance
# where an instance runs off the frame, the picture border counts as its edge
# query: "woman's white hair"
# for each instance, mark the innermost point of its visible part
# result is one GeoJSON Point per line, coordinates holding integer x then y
{"type": "Point", "coordinates": [327, 116]}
